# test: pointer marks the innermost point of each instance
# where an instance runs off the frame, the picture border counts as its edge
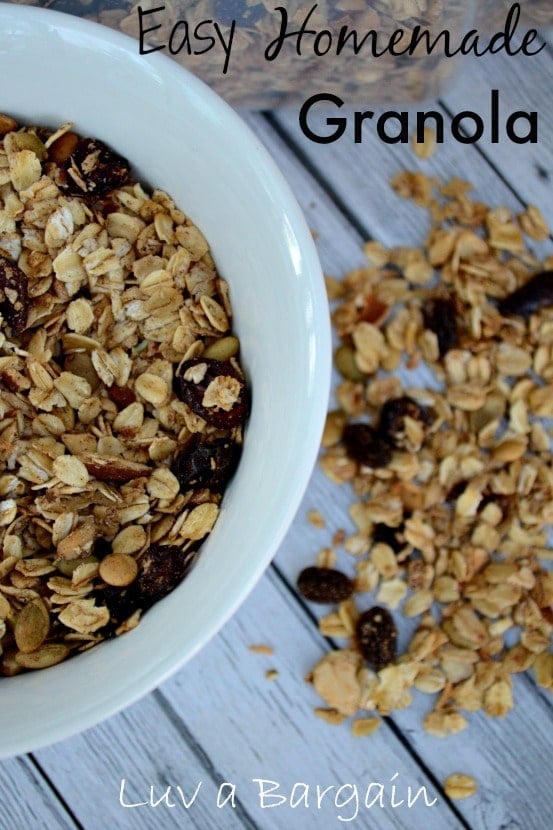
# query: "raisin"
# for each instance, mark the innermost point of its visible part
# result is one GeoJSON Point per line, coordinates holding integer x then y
{"type": "Point", "coordinates": [120, 602]}
{"type": "Point", "coordinates": [207, 463]}
{"type": "Point", "coordinates": [547, 614]}
{"type": "Point", "coordinates": [376, 637]}
{"type": "Point", "coordinates": [455, 491]}
{"type": "Point", "coordinates": [535, 294]}
{"type": "Point", "coordinates": [440, 317]}
{"type": "Point", "coordinates": [192, 382]}
{"type": "Point", "coordinates": [94, 169]}
{"type": "Point", "coordinates": [392, 419]}
{"type": "Point", "coordinates": [101, 547]}
{"type": "Point", "coordinates": [364, 444]}
{"type": "Point", "coordinates": [505, 502]}
{"type": "Point", "coordinates": [324, 585]}
{"type": "Point", "coordinates": [388, 536]}
{"type": "Point", "coordinates": [162, 568]}
{"type": "Point", "coordinates": [14, 298]}
{"type": "Point", "coordinates": [122, 396]}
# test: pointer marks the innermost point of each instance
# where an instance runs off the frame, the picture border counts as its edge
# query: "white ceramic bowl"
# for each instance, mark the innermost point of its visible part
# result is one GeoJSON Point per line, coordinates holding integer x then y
{"type": "Point", "coordinates": [181, 137]}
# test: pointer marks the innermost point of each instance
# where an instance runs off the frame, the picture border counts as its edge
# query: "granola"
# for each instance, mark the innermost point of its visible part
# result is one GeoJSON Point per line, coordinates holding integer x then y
{"type": "Point", "coordinates": [122, 400]}
{"type": "Point", "coordinates": [451, 479]}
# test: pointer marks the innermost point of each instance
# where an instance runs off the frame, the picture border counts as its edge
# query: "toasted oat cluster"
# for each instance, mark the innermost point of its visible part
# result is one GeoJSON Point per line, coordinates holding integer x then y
{"type": "Point", "coordinates": [122, 401]}
{"type": "Point", "coordinates": [452, 477]}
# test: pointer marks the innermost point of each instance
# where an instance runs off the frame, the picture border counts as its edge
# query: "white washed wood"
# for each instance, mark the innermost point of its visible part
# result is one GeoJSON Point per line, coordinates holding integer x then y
{"type": "Point", "coordinates": [252, 728]}
{"type": "Point", "coordinates": [267, 730]}
{"type": "Point", "coordinates": [505, 795]}
{"type": "Point", "coordinates": [142, 746]}
{"type": "Point", "coordinates": [358, 172]}
{"type": "Point", "coordinates": [27, 801]}
{"type": "Point", "coordinates": [524, 84]}
{"type": "Point", "coordinates": [291, 745]}
{"type": "Point", "coordinates": [247, 726]}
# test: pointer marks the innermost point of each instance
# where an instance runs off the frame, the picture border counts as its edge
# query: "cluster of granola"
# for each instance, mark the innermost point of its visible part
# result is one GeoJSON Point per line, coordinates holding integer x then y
{"type": "Point", "coordinates": [452, 477]}
{"type": "Point", "coordinates": [122, 402]}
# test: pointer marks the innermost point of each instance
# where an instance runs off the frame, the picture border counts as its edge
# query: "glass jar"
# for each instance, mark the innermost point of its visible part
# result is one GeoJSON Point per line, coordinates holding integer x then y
{"type": "Point", "coordinates": [259, 54]}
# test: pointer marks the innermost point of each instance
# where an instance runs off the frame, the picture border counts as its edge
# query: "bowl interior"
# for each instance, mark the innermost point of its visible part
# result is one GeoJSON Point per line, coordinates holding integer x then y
{"type": "Point", "coordinates": [182, 138]}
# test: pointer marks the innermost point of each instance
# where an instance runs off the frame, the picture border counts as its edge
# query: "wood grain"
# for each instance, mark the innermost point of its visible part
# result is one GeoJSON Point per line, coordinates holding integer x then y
{"type": "Point", "coordinates": [219, 719]}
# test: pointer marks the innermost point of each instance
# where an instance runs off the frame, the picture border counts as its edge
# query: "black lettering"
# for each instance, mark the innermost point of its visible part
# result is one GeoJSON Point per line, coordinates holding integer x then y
{"type": "Point", "coordinates": [470, 44]}
{"type": "Point", "coordinates": [358, 125]}
{"type": "Point", "coordinates": [422, 118]}
{"type": "Point", "coordinates": [457, 130]}
{"type": "Point", "coordinates": [209, 38]}
{"type": "Point", "coordinates": [532, 135]}
{"type": "Point", "coordinates": [396, 37]}
{"type": "Point", "coordinates": [403, 136]}
{"type": "Point", "coordinates": [321, 36]}
{"type": "Point", "coordinates": [273, 49]}
{"type": "Point", "coordinates": [339, 123]}
{"type": "Point", "coordinates": [141, 15]}
{"type": "Point", "coordinates": [530, 36]}
{"type": "Point", "coordinates": [227, 45]}
{"type": "Point", "coordinates": [345, 34]}
{"type": "Point", "coordinates": [420, 35]}
{"type": "Point", "coordinates": [174, 50]}
{"type": "Point", "coordinates": [495, 115]}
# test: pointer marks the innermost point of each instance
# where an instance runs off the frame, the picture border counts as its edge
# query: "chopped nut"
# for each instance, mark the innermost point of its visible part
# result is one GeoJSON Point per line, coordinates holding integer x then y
{"type": "Point", "coordinates": [118, 569]}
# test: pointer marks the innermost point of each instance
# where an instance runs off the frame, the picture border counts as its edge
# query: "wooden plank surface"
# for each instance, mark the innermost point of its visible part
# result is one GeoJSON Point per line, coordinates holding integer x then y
{"type": "Point", "coordinates": [220, 719]}
{"type": "Point", "coordinates": [486, 745]}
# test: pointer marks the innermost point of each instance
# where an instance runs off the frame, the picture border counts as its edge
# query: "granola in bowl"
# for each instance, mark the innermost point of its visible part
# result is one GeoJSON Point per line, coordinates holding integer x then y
{"type": "Point", "coordinates": [122, 400]}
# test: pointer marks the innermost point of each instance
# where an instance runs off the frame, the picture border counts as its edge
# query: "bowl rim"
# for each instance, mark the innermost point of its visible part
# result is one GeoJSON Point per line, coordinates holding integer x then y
{"type": "Point", "coordinates": [320, 369]}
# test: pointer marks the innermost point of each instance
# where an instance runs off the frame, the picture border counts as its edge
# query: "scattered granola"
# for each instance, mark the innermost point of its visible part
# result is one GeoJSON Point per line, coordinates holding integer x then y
{"type": "Point", "coordinates": [362, 727]}
{"type": "Point", "coordinates": [261, 648]}
{"type": "Point", "coordinates": [122, 401]}
{"type": "Point", "coordinates": [451, 479]}
{"type": "Point", "coordinates": [459, 786]}
{"type": "Point", "coordinates": [316, 518]}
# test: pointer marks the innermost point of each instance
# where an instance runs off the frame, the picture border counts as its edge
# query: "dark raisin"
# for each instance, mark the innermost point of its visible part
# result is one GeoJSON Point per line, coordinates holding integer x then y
{"type": "Point", "coordinates": [162, 568]}
{"type": "Point", "coordinates": [324, 585]}
{"type": "Point", "coordinates": [377, 637]}
{"type": "Point", "coordinates": [455, 491]}
{"type": "Point", "coordinates": [503, 501]}
{"type": "Point", "coordinates": [547, 614]}
{"type": "Point", "coordinates": [120, 602]}
{"type": "Point", "coordinates": [207, 463]}
{"type": "Point", "coordinates": [392, 419]}
{"type": "Point", "coordinates": [14, 298]}
{"type": "Point", "coordinates": [535, 294]}
{"type": "Point", "coordinates": [440, 317]}
{"type": "Point", "coordinates": [101, 547]}
{"type": "Point", "coordinates": [122, 396]}
{"type": "Point", "coordinates": [192, 382]}
{"type": "Point", "coordinates": [364, 444]}
{"type": "Point", "coordinates": [388, 536]}
{"type": "Point", "coordinates": [93, 169]}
